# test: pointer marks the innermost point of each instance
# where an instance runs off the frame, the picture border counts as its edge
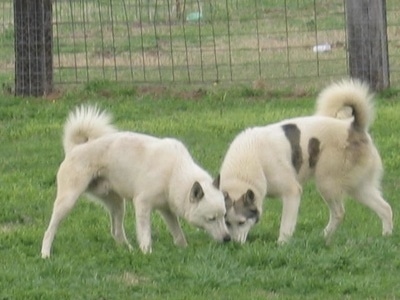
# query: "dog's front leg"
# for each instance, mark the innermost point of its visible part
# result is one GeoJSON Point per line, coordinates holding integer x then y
{"type": "Point", "coordinates": [143, 225]}
{"type": "Point", "coordinates": [174, 227]}
{"type": "Point", "coordinates": [290, 210]}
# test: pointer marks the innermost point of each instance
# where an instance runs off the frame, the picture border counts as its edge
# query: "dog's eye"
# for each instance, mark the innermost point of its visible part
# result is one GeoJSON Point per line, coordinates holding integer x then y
{"type": "Point", "coordinates": [241, 223]}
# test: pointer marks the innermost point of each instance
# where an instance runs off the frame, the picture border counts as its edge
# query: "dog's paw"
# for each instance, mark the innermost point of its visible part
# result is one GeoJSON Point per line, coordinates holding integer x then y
{"type": "Point", "coordinates": [146, 249]}
{"type": "Point", "coordinates": [130, 248]}
{"type": "Point", "coordinates": [387, 232]}
{"type": "Point", "coordinates": [283, 240]}
{"type": "Point", "coordinates": [328, 233]}
{"type": "Point", "coordinates": [181, 242]}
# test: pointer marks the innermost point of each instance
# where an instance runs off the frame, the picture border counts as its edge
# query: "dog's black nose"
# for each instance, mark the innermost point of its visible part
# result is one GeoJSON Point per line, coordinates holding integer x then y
{"type": "Point", "coordinates": [227, 238]}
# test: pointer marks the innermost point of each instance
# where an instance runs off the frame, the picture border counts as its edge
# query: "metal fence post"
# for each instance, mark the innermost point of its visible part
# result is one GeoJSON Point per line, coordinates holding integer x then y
{"type": "Point", "coordinates": [367, 42]}
{"type": "Point", "coordinates": [33, 47]}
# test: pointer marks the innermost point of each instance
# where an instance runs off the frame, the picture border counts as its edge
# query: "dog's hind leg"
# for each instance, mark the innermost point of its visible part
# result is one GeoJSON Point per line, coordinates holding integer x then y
{"type": "Point", "coordinates": [336, 216]}
{"type": "Point", "coordinates": [70, 185]}
{"type": "Point", "coordinates": [116, 206]}
{"type": "Point", "coordinates": [290, 208]}
{"type": "Point", "coordinates": [174, 227]}
{"type": "Point", "coordinates": [333, 196]}
{"type": "Point", "coordinates": [62, 206]}
{"type": "Point", "coordinates": [371, 197]}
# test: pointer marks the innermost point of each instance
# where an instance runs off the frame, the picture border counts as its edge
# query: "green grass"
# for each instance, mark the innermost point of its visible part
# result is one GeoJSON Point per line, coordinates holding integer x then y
{"type": "Point", "coordinates": [87, 264]}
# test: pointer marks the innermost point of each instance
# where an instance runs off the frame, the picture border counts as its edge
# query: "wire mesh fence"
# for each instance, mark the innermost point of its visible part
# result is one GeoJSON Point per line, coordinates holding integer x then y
{"type": "Point", "coordinates": [197, 41]}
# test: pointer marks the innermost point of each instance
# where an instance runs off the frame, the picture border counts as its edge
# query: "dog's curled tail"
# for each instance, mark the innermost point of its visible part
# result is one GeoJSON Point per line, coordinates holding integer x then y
{"type": "Point", "coordinates": [350, 94]}
{"type": "Point", "coordinates": [85, 123]}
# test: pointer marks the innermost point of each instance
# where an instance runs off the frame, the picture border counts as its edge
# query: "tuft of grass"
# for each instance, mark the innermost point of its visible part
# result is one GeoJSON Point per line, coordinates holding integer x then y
{"type": "Point", "coordinates": [87, 264]}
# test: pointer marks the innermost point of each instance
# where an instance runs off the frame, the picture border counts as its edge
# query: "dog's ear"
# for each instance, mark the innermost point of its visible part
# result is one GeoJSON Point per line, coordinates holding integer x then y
{"type": "Point", "coordinates": [249, 207]}
{"type": "Point", "coordinates": [196, 193]}
{"type": "Point", "coordinates": [249, 198]}
{"type": "Point", "coordinates": [217, 181]}
{"type": "Point", "coordinates": [228, 200]}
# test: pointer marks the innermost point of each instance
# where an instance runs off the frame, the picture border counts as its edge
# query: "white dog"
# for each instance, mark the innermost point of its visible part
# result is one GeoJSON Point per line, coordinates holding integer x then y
{"type": "Point", "coordinates": [276, 160]}
{"type": "Point", "coordinates": [155, 173]}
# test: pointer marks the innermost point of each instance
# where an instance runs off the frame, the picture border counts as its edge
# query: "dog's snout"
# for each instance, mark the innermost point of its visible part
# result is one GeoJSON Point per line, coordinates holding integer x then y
{"type": "Point", "coordinates": [227, 238]}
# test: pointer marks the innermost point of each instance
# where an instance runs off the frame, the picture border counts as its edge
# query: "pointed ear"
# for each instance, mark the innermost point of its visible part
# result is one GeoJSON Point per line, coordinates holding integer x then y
{"type": "Point", "coordinates": [228, 200]}
{"type": "Point", "coordinates": [249, 198]}
{"type": "Point", "coordinates": [196, 193]}
{"type": "Point", "coordinates": [216, 181]}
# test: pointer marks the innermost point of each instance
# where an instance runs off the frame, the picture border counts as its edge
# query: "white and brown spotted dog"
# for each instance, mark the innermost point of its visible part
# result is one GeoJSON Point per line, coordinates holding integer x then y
{"type": "Point", "coordinates": [277, 159]}
{"type": "Point", "coordinates": [153, 173]}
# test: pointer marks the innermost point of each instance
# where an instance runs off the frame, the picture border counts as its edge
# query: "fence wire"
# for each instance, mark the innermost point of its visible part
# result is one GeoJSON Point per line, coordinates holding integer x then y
{"type": "Point", "coordinates": [196, 41]}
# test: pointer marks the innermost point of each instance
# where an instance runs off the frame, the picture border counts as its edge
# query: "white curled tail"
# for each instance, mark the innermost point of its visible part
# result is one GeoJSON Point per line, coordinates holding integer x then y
{"type": "Point", "coordinates": [85, 123]}
{"type": "Point", "coordinates": [347, 98]}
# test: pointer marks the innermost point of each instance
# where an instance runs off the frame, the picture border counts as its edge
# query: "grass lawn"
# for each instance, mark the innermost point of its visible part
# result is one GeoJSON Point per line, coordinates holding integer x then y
{"type": "Point", "coordinates": [87, 264]}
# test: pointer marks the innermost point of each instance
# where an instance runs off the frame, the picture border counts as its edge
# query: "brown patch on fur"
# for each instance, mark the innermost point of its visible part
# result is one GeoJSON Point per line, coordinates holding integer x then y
{"type": "Point", "coordinates": [292, 133]}
{"type": "Point", "coordinates": [313, 152]}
